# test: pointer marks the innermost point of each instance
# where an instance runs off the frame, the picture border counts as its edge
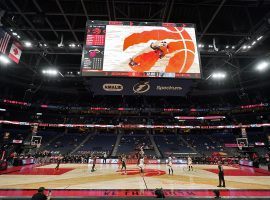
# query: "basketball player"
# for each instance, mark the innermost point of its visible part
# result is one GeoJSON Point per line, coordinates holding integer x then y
{"type": "Point", "coordinates": [189, 161]}
{"type": "Point", "coordinates": [141, 154]}
{"type": "Point", "coordinates": [160, 48]}
{"type": "Point", "coordinates": [221, 175]}
{"type": "Point", "coordinates": [58, 162]}
{"type": "Point", "coordinates": [141, 165]}
{"type": "Point", "coordinates": [133, 63]}
{"type": "Point", "coordinates": [105, 158]}
{"type": "Point", "coordinates": [94, 164]}
{"type": "Point", "coordinates": [170, 165]}
{"type": "Point", "coordinates": [119, 161]}
{"type": "Point", "coordinates": [124, 166]}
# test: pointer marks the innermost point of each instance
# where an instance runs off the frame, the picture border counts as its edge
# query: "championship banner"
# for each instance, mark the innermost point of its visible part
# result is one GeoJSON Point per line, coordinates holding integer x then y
{"type": "Point", "coordinates": [153, 87]}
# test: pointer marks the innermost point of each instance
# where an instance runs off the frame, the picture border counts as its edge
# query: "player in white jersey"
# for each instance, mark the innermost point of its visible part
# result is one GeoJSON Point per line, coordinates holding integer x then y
{"type": "Point", "coordinates": [141, 152]}
{"type": "Point", "coordinates": [170, 165]}
{"type": "Point", "coordinates": [140, 155]}
{"type": "Point", "coordinates": [189, 162]}
{"type": "Point", "coordinates": [141, 164]}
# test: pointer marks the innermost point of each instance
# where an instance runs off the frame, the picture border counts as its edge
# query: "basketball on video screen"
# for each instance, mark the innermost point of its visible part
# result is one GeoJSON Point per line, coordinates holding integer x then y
{"type": "Point", "coordinates": [178, 52]}
{"type": "Point", "coordinates": [149, 48]}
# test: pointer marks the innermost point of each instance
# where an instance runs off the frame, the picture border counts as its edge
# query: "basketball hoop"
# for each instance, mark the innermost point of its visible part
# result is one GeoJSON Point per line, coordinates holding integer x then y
{"type": "Point", "coordinates": [242, 142]}
{"type": "Point", "coordinates": [36, 141]}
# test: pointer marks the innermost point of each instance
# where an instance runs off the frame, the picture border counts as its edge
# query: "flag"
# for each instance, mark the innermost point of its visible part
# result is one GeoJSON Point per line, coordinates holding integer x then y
{"type": "Point", "coordinates": [15, 53]}
{"type": "Point", "coordinates": [4, 40]}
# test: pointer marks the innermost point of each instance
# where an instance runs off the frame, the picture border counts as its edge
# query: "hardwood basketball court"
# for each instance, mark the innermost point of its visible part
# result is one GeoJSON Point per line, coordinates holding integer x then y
{"type": "Point", "coordinates": [78, 178]}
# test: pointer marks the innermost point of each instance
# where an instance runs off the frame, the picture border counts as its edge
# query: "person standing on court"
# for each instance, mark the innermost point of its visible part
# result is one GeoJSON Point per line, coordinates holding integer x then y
{"type": "Point", "coordinates": [94, 164]}
{"type": "Point", "coordinates": [58, 162]}
{"type": "Point", "coordinates": [105, 158]}
{"type": "Point", "coordinates": [221, 175]}
{"type": "Point", "coordinates": [189, 161]}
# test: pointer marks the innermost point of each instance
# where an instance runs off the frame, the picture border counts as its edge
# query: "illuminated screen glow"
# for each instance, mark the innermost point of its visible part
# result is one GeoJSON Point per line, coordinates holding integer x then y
{"type": "Point", "coordinates": [140, 50]}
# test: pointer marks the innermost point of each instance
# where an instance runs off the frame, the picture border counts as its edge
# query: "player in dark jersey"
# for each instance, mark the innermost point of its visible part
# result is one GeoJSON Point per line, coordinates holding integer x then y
{"type": "Point", "coordinates": [124, 164]}
{"type": "Point", "coordinates": [94, 164]}
{"type": "Point", "coordinates": [119, 162]}
{"type": "Point", "coordinates": [221, 175]}
{"type": "Point", "coordinates": [58, 162]}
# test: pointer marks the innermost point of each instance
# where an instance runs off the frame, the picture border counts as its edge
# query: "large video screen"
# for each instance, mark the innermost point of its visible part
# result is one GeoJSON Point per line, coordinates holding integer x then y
{"type": "Point", "coordinates": [140, 49]}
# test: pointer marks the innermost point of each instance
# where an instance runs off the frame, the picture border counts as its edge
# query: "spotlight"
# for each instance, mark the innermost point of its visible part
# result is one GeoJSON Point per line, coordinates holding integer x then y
{"type": "Point", "coordinates": [50, 72]}
{"type": "Point", "coordinates": [218, 75]}
{"type": "Point", "coordinates": [249, 47]}
{"type": "Point", "coordinates": [201, 45]}
{"type": "Point", "coordinates": [72, 45]}
{"type": "Point", "coordinates": [210, 46]}
{"type": "Point", "coordinates": [14, 33]}
{"type": "Point", "coordinates": [78, 73]}
{"type": "Point", "coordinates": [43, 45]}
{"type": "Point", "coordinates": [18, 36]}
{"type": "Point", "coordinates": [259, 38]}
{"type": "Point", "coordinates": [262, 66]}
{"type": "Point", "coordinates": [227, 47]}
{"type": "Point", "coordinates": [60, 45]}
{"type": "Point", "coordinates": [4, 59]}
{"type": "Point", "coordinates": [244, 47]}
{"type": "Point", "coordinates": [253, 43]}
{"type": "Point", "coordinates": [27, 44]}
{"type": "Point", "coordinates": [233, 47]}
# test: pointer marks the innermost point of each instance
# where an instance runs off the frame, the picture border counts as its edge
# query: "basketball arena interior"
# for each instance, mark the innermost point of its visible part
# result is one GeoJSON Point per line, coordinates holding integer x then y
{"type": "Point", "coordinates": [123, 99]}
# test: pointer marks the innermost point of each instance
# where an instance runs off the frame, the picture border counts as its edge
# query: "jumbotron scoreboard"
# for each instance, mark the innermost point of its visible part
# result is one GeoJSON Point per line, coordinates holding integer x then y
{"type": "Point", "coordinates": [140, 49]}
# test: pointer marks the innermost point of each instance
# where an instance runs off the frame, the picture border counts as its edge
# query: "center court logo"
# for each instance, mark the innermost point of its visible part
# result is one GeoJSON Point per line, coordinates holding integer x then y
{"type": "Point", "coordinates": [111, 87]}
{"type": "Point", "coordinates": [141, 87]}
{"type": "Point", "coordinates": [147, 172]}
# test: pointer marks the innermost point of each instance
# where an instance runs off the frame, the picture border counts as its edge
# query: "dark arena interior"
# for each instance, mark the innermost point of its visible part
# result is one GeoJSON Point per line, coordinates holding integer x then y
{"type": "Point", "coordinates": [123, 99]}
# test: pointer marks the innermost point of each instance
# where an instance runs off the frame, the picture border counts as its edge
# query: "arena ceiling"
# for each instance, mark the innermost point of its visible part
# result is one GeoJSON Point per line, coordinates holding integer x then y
{"type": "Point", "coordinates": [231, 24]}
